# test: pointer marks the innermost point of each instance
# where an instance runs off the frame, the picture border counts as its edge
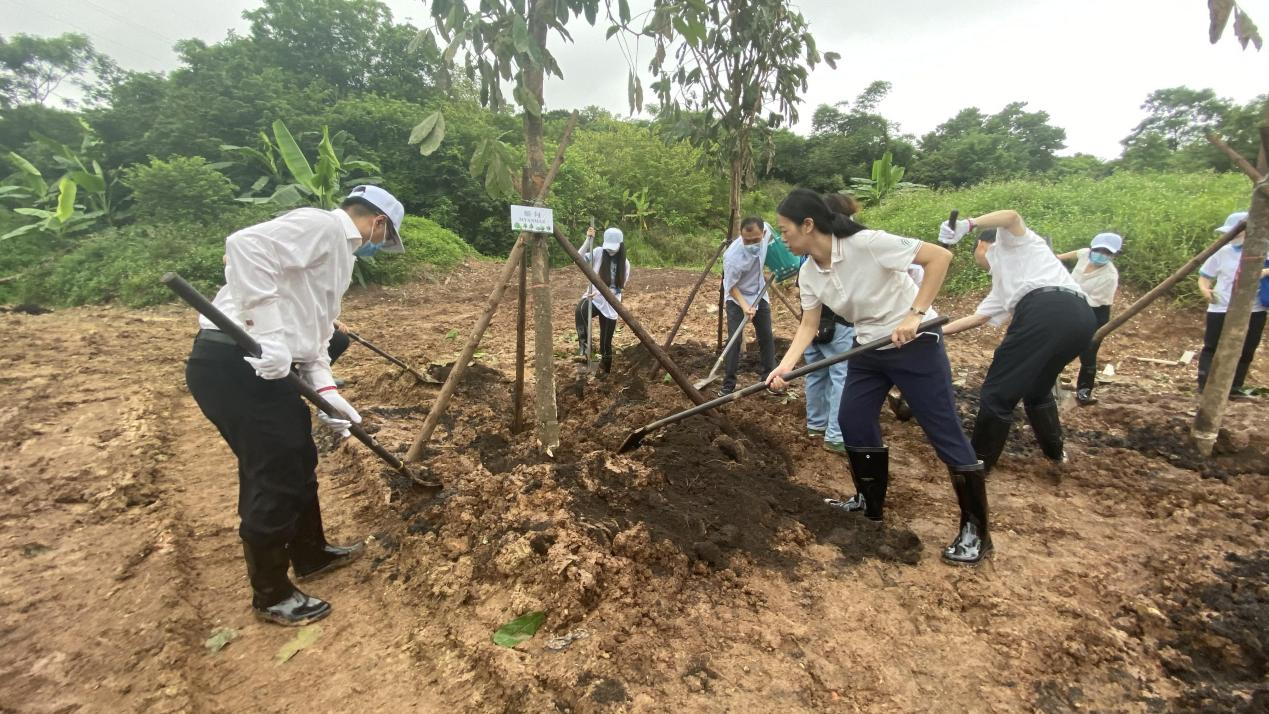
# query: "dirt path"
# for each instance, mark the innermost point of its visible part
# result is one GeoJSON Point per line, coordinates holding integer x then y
{"type": "Point", "coordinates": [702, 568]}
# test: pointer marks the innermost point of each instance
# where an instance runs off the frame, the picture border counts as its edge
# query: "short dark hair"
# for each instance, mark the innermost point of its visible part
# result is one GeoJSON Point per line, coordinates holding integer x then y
{"type": "Point", "coordinates": [753, 221]}
{"type": "Point", "coordinates": [362, 207]}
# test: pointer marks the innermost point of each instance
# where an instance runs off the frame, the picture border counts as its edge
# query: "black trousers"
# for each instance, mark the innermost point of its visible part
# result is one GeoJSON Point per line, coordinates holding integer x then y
{"type": "Point", "coordinates": [1212, 336]}
{"type": "Point", "coordinates": [1049, 329]}
{"type": "Point", "coordinates": [919, 368]}
{"type": "Point", "coordinates": [339, 343]}
{"type": "Point", "coordinates": [766, 341]}
{"type": "Point", "coordinates": [607, 328]}
{"type": "Point", "coordinates": [269, 428]}
{"type": "Point", "coordinates": [1088, 358]}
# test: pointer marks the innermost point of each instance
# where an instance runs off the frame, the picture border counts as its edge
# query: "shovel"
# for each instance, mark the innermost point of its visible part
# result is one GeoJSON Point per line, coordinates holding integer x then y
{"type": "Point", "coordinates": [636, 437]}
{"type": "Point", "coordinates": [417, 375]}
{"type": "Point", "coordinates": [222, 322]}
{"type": "Point", "coordinates": [713, 373]}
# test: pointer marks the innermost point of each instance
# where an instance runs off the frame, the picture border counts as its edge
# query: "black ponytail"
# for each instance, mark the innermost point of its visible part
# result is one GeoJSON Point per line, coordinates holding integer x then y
{"type": "Point", "coordinates": [803, 203]}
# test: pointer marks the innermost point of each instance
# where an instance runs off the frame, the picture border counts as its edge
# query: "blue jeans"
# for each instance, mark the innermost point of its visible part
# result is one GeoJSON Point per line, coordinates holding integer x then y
{"type": "Point", "coordinates": [824, 387]}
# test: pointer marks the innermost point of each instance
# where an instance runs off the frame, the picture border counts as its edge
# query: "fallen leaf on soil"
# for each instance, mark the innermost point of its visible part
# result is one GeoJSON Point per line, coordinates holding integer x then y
{"type": "Point", "coordinates": [518, 630]}
{"type": "Point", "coordinates": [220, 638]}
{"type": "Point", "coordinates": [305, 637]}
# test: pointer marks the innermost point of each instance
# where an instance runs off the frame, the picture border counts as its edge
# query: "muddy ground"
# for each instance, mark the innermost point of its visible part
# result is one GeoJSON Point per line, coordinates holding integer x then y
{"type": "Point", "coordinates": [701, 572]}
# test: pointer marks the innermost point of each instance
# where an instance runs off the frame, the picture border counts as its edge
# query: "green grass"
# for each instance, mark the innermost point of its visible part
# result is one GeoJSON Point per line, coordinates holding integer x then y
{"type": "Point", "coordinates": [123, 265]}
{"type": "Point", "coordinates": [1165, 219]}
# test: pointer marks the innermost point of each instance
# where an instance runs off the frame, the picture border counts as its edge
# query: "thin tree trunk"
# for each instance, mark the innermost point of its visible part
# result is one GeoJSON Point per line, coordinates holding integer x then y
{"type": "Point", "coordinates": [733, 228]}
{"type": "Point", "coordinates": [1220, 379]}
{"type": "Point", "coordinates": [517, 396]}
{"type": "Point", "coordinates": [548, 428]}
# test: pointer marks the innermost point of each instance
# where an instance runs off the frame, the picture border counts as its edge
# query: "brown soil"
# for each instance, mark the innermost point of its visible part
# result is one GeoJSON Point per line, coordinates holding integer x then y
{"type": "Point", "coordinates": [700, 572]}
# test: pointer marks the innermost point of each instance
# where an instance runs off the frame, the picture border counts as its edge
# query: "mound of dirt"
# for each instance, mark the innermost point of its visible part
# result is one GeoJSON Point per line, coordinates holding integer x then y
{"type": "Point", "coordinates": [623, 540]}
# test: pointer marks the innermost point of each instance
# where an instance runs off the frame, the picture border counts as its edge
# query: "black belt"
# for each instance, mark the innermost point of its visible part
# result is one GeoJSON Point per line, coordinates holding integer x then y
{"type": "Point", "coordinates": [215, 336]}
{"type": "Point", "coordinates": [1054, 289]}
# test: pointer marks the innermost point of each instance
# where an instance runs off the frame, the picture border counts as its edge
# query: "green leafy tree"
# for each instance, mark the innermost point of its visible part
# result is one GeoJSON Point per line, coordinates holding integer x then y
{"type": "Point", "coordinates": [739, 70]}
{"type": "Point", "coordinates": [1173, 136]}
{"type": "Point", "coordinates": [972, 147]}
{"type": "Point", "coordinates": [182, 188]}
{"type": "Point", "coordinates": [845, 139]}
{"type": "Point", "coordinates": [322, 184]}
{"type": "Point", "coordinates": [33, 69]}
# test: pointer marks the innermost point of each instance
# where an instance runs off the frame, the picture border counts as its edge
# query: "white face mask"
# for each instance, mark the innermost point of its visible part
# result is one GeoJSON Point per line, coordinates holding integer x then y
{"type": "Point", "coordinates": [753, 249]}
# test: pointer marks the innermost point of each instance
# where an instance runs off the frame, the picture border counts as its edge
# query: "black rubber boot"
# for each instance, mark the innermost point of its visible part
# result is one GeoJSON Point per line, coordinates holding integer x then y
{"type": "Point", "coordinates": [605, 364]}
{"type": "Point", "coordinates": [1085, 396]}
{"type": "Point", "coordinates": [973, 542]}
{"type": "Point", "coordinates": [855, 503]}
{"type": "Point", "coordinates": [273, 597]}
{"type": "Point", "coordinates": [310, 554]}
{"type": "Point", "coordinates": [990, 435]}
{"type": "Point", "coordinates": [1048, 430]}
{"type": "Point", "coordinates": [870, 469]}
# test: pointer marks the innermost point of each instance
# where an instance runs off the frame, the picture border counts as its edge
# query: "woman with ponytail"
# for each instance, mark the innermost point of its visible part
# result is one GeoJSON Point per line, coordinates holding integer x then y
{"type": "Point", "coordinates": [861, 275]}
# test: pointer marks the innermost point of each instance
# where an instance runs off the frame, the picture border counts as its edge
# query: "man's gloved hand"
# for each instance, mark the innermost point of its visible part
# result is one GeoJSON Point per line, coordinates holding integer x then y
{"type": "Point", "coordinates": [952, 236]}
{"type": "Point", "coordinates": [274, 361]}
{"type": "Point", "coordinates": [335, 423]}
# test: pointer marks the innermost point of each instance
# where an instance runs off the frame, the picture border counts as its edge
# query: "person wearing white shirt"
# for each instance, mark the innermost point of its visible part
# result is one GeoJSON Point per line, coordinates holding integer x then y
{"type": "Point", "coordinates": [1216, 281]}
{"type": "Point", "coordinates": [861, 275]}
{"type": "Point", "coordinates": [742, 284]}
{"type": "Point", "coordinates": [284, 281]}
{"type": "Point", "coordinates": [1097, 276]}
{"type": "Point", "coordinates": [1051, 325]}
{"type": "Point", "coordinates": [610, 263]}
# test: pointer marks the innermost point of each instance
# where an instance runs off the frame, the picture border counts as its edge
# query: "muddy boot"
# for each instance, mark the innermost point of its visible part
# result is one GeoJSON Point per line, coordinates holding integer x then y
{"type": "Point", "coordinates": [870, 470]}
{"type": "Point", "coordinates": [1048, 430]}
{"type": "Point", "coordinates": [310, 554]}
{"type": "Point", "coordinates": [973, 542]}
{"type": "Point", "coordinates": [989, 439]}
{"type": "Point", "coordinates": [1085, 396]}
{"type": "Point", "coordinates": [605, 364]}
{"type": "Point", "coordinates": [273, 597]}
{"type": "Point", "coordinates": [899, 406]}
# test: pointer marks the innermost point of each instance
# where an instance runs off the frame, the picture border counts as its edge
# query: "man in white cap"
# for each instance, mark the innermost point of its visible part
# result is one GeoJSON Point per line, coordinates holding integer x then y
{"type": "Point", "coordinates": [1216, 282]}
{"type": "Point", "coordinates": [1097, 276]}
{"type": "Point", "coordinates": [284, 280]}
{"type": "Point", "coordinates": [610, 263]}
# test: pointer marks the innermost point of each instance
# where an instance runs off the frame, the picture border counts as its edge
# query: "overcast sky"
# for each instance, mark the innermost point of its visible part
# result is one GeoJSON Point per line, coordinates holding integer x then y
{"type": "Point", "coordinates": [1088, 63]}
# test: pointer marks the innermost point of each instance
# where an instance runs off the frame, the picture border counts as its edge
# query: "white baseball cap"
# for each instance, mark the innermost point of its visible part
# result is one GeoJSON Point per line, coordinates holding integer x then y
{"type": "Point", "coordinates": [1232, 221]}
{"type": "Point", "coordinates": [613, 238]}
{"type": "Point", "coordinates": [391, 207]}
{"type": "Point", "coordinates": [1110, 241]}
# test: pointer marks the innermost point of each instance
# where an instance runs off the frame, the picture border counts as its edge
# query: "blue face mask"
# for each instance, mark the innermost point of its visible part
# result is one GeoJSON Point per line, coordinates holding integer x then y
{"type": "Point", "coordinates": [367, 250]}
{"type": "Point", "coordinates": [1238, 247]}
{"type": "Point", "coordinates": [1098, 258]}
{"type": "Point", "coordinates": [753, 249]}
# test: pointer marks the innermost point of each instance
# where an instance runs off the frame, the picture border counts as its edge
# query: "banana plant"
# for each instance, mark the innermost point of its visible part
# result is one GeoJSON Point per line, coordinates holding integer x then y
{"type": "Point", "coordinates": [63, 220]}
{"type": "Point", "coordinates": [642, 206]}
{"type": "Point", "coordinates": [887, 179]}
{"type": "Point", "coordinates": [320, 185]}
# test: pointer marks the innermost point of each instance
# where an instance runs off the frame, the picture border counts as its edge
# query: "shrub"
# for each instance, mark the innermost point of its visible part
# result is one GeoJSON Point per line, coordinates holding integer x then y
{"type": "Point", "coordinates": [1165, 219]}
{"type": "Point", "coordinates": [427, 244]}
{"type": "Point", "coordinates": [180, 188]}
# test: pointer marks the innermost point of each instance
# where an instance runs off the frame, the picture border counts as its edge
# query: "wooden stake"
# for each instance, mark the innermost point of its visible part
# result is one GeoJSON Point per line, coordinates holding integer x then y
{"type": "Point", "coordinates": [678, 321]}
{"type": "Point", "coordinates": [473, 341]}
{"type": "Point", "coordinates": [627, 317]}
{"type": "Point", "coordinates": [517, 395]}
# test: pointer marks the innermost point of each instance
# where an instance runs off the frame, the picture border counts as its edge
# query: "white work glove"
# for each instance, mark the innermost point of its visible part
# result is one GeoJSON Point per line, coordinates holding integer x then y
{"type": "Point", "coordinates": [274, 361]}
{"type": "Point", "coordinates": [336, 424]}
{"type": "Point", "coordinates": [952, 236]}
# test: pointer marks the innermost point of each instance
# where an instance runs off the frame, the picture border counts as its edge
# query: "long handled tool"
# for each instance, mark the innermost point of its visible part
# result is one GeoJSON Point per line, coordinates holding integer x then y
{"type": "Point", "coordinates": [222, 322]}
{"type": "Point", "coordinates": [735, 336]}
{"type": "Point", "coordinates": [366, 343]}
{"type": "Point", "coordinates": [636, 437]}
{"type": "Point", "coordinates": [588, 247]}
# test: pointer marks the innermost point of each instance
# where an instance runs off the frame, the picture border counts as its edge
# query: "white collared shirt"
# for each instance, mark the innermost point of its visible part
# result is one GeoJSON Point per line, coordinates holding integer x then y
{"type": "Point", "coordinates": [596, 258]}
{"type": "Point", "coordinates": [1100, 284]}
{"type": "Point", "coordinates": [286, 277]}
{"type": "Point", "coordinates": [1020, 264]}
{"type": "Point", "coordinates": [1222, 269]}
{"type": "Point", "coordinates": [867, 282]}
{"type": "Point", "coordinates": [744, 271]}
